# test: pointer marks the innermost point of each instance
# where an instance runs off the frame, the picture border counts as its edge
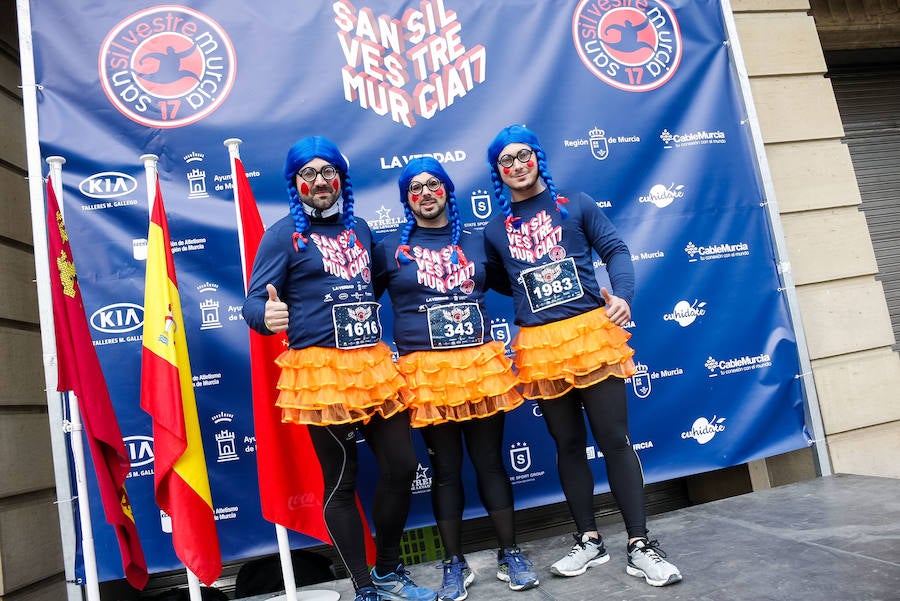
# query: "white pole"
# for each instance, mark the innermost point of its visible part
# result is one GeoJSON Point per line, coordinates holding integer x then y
{"type": "Point", "coordinates": [92, 580]}
{"type": "Point", "coordinates": [234, 153]}
{"type": "Point", "coordinates": [281, 534]}
{"type": "Point", "coordinates": [76, 442]}
{"type": "Point", "coordinates": [287, 566]}
{"type": "Point", "coordinates": [811, 405]}
{"type": "Point", "coordinates": [193, 586]}
{"type": "Point", "coordinates": [149, 161]}
{"type": "Point", "coordinates": [45, 300]}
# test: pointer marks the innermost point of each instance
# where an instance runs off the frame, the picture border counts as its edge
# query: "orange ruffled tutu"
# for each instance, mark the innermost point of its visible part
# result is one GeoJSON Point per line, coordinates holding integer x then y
{"type": "Point", "coordinates": [319, 386]}
{"type": "Point", "coordinates": [459, 384]}
{"type": "Point", "coordinates": [577, 352]}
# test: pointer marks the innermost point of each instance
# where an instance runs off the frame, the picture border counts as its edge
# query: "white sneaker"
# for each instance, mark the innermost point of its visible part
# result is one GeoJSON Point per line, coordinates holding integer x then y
{"type": "Point", "coordinates": [645, 558]}
{"type": "Point", "coordinates": [586, 553]}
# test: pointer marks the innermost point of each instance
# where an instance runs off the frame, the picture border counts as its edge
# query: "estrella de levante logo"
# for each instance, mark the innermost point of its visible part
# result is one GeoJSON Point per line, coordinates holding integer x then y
{"type": "Point", "coordinates": [167, 66]}
{"type": "Point", "coordinates": [633, 45]}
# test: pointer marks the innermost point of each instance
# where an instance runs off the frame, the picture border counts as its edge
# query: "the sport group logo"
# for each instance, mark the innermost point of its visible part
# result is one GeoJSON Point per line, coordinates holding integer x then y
{"type": "Point", "coordinates": [167, 66]}
{"type": "Point", "coordinates": [633, 45]}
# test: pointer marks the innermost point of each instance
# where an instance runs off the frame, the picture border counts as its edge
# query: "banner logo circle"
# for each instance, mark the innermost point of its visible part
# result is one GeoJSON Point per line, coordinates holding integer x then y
{"type": "Point", "coordinates": [167, 66]}
{"type": "Point", "coordinates": [633, 46]}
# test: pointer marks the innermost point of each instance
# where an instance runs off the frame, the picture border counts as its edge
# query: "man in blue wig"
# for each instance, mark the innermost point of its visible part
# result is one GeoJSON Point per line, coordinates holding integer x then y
{"type": "Point", "coordinates": [572, 354]}
{"type": "Point", "coordinates": [461, 380]}
{"type": "Point", "coordinates": [337, 375]}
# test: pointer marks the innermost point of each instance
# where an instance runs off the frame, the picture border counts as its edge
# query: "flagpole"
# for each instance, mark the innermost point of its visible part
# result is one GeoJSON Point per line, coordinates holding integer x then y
{"type": "Point", "coordinates": [149, 161]}
{"type": "Point", "coordinates": [92, 580]}
{"type": "Point", "coordinates": [74, 428]}
{"type": "Point", "coordinates": [234, 153]}
{"type": "Point", "coordinates": [281, 533]}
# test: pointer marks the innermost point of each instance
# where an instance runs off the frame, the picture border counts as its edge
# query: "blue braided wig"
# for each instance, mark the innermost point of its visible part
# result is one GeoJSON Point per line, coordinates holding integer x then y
{"type": "Point", "coordinates": [428, 165]}
{"type": "Point", "coordinates": [300, 154]}
{"type": "Point", "coordinates": [522, 135]}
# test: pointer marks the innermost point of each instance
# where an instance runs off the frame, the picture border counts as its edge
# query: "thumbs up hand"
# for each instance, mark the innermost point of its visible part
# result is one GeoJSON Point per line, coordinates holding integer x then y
{"type": "Point", "coordinates": [276, 317]}
{"type": "Point", "coordinates": [617, 310]}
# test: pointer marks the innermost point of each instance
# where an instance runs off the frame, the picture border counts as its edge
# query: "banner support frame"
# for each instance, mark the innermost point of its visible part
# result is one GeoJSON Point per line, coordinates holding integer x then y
{"type": "Point", "coordinates": [64, 492]}
{"type": "Point", "coordinates": [811, 409]}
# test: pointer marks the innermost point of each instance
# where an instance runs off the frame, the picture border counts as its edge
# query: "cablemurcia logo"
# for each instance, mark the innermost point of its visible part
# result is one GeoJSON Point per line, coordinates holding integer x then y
{"type": "Point", "coordinates": [633, 45]}
{"type": "Point", "coordinates": [167, 66]}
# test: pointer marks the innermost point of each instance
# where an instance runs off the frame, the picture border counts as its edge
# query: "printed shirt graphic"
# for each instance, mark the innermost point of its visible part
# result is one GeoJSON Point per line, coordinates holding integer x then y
{"type": "Point", "coordinates": [437, 304]}
{"type": "Point", "coordinates": [546, 238]}
{"type": "Point", "coordinates": [323, 285]}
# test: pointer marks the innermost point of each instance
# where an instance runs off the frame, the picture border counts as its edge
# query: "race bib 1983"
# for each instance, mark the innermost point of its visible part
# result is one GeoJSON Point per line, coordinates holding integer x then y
{"type": "Point", "coordinates": [551, 284]}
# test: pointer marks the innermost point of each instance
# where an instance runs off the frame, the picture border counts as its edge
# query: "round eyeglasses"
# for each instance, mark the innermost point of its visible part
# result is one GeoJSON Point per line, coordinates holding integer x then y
{"type": "Point", "coordinates": [309, 174]}
{"type": "Point", "coordinates": [524, 155]}
{"type": "Point", "coordinates": [432, 183]}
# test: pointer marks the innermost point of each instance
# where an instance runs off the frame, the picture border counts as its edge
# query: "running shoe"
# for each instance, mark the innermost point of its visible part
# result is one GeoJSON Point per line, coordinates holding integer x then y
{"type": "Point", "coordinates": [513, 567]}
{"type": "Point", "coordinates": [398, 586]}
{"type": "Point", "coordinates": [457, 576]}
{"type": "Point", "coordinates": [586, 553]}
{"type": "Point", "coordinates": [367, 593]}
{"type": "Point", "coordinates": [646, 559]}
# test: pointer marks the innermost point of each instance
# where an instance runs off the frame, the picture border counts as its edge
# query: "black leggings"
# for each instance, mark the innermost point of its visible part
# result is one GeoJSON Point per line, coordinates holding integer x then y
{"type": "Point", "coordinates": [483, 439]}
{"type": "Point", "coordinates": [606, 406]}
{"type": "Point", "coordinates": [391, 443]}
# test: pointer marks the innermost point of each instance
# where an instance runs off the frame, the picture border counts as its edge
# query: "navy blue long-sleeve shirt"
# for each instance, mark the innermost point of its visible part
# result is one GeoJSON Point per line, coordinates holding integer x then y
{"type": "Point", "coordinates": [549, 260]}
{"type": "Point", "coordinates": [437, 304]}
{"type": "Point", "coordinates": [327, 287]}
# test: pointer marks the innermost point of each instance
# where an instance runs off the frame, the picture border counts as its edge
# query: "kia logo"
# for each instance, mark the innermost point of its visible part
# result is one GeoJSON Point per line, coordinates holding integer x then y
{"type": "Point", "coordinates": [140, 449]}
{"type": "Point", "coordinates": [118, 318]}
{"type": "Point", "coordinates": [108, 184]}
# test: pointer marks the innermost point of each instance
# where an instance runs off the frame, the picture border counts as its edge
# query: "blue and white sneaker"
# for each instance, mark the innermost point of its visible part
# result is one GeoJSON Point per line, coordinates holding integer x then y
{"type": "Point", "coordinates": [398, 586]}
{"type": "Point", "coordinates": [513, 567]}
{"type": "Point", "coordinates": [367, 593]}
{"type": "Point", "coordinates": [457, 576]}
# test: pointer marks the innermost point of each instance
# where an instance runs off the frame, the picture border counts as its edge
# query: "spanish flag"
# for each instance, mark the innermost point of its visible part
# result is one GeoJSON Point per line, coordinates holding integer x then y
{"type": "Point", "coordinates": [79, 371]}
{"type": "Point", "coordinates": [167, 394]}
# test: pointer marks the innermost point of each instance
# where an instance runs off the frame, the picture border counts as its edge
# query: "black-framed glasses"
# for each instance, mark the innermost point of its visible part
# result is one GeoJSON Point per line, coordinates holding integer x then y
{"type": "Point", "coordinates": [309, 174]}
{"type": "Point", "coordinates": [524, 155]}
{"type": "Point", "coordinates": [432, 183]}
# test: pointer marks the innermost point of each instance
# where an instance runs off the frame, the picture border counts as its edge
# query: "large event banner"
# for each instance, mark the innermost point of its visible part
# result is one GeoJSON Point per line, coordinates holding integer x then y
{"type": "Point", "coordinates": [637, 103]}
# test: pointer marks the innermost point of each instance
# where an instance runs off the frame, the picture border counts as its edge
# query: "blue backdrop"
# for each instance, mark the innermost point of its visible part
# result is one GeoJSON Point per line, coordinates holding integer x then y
{"type": "Point", "coordinates": [636, 102]}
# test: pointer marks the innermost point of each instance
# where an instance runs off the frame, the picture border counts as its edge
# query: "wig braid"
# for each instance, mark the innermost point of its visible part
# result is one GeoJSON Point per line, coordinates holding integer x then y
{"type": "Point", "coordinates": [545, 175]}
{"type": "Point", "coordinates": [402, 254]}
{"type": "Point", "coordinates": [456, 257]}
{"type": "Point", "coordinates": [301, 222]}
{"type": "Point", "coordinates": [503, 201]}
{"type": "Point", "coordinates": [349, 219]}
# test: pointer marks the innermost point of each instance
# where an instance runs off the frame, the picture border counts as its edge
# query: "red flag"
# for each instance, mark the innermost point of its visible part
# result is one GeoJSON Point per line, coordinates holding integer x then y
{"type": "Point", "coordinates": [291, 488]}
{"type": "Point", "coordinates": [167, 394]}
{"type": "Point", "coordinates": [79, 371]}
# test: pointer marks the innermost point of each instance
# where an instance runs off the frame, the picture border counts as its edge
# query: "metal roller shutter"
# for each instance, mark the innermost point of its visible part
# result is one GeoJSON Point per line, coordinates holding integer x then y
{"type": "Point", "coordinates": [868, 97]}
